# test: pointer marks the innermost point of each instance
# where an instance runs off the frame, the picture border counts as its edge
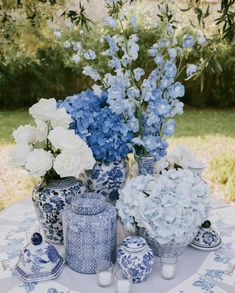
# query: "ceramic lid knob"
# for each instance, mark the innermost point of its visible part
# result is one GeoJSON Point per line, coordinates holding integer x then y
{"type": "Point", "coordinates": [206, 224]}
{"type": "Point", "coordinates": [36, 239]}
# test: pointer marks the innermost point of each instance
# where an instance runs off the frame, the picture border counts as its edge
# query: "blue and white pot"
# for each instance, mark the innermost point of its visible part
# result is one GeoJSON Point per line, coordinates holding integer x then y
{"type": "Point", "coordinates": [146, 165]}
{"type": "Point", "coordinates": [107, 178]}
{"type": "Point", "coordinates": [49, 203]}
{"type": "Point", "coordinates": [135, 258]}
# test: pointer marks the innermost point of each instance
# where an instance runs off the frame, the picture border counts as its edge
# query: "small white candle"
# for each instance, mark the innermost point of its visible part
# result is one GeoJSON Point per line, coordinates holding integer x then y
{"type": "Point", "coordinates": [123, 286]}
{"type": "Point", "coordinates": [105, 278]}
{"type": "Point", "coordinates": [168, 271]}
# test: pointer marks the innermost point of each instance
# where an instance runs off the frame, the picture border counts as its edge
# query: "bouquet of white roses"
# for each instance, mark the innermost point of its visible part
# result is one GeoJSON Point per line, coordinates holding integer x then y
{"type": "Point", "coordinates": [170, 207]}
{"type": "Point", "coordinates": [50, 150]}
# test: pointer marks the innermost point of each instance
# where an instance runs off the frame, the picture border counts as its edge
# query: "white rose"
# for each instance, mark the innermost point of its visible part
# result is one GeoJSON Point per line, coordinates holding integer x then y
{"type": "Point", "coordinates": [62, 119]}
{"type": "Point", "coordinates": [41, 130]}
{"type": "Point", "coordinates": [64, 139]}
{"type": "Point", "coordinates": [39, 162]}
{"type": "Point", "coordinates": [20, 153]}
{"type": "Point", "coordinates": [68, 164]}
{"type": "Point", "coordinates": [44, 110]}
{"type": "Point", "coordinates": [87, 156]}
{"type": "Point", "coordinates": [25, 133]}
{"type": "Point", "coordinates": [73, 163]}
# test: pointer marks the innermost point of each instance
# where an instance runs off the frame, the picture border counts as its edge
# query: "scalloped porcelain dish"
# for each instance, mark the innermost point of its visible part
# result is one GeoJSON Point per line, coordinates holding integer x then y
{"type": "Point", "coordinates": [39, 261]}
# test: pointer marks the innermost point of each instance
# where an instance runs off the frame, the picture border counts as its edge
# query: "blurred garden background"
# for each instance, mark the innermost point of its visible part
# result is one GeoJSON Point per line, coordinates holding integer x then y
{"type": "Point", "coordinates": [35, 63]}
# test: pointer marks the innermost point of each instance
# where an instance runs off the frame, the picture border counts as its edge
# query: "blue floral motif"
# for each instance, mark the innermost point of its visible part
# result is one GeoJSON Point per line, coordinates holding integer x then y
{"type": "Point", "coordinates": [50, 202]}
{"type": "Point", "coordinates": [29, 286]}
{"type": "Point", "coordinates": [203, 284]}
{"type": "Point", "coordinates": [53, 290]}
{"type": "Point", "coordinates": [222, 259]}
{"type": "Point", "coordinates": [135, 258]}
{"type": "Point", "coordinates": [52, 254]}
{"type": "Point", "coordinates": [47, 207]}
{"type": "Point", "coordinates": [215, 274]}
{"type": "Point", "coordinates": [107, 178]}
{"type": "Point", "coordinates": [208, 238]}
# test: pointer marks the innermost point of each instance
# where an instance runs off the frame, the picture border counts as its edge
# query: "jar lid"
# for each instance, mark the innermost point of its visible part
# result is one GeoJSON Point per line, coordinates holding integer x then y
{"type": "Point", "coordinates": [206, 238]}
{"type": "Point", "coordinates": [88, 204]}
{"type": "Point", "coordinates": [39, 261]}
{"type": "Point", "coordinates": [134, 243]}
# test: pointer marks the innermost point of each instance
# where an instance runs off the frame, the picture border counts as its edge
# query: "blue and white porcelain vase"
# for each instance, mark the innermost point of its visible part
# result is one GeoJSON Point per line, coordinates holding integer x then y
{"type": "Point", "coordinates": [90, 229]}
{"type": "Point", "coordinates": [135, 258]}
{"type": "Point", "coordinates": [146, 165]}
{"type": "Point", "coordinates": [169, 249]}
{"type": "Point", "coordinates": [107, 178]}
{"type": "Point", "coordinates": [49, 202]}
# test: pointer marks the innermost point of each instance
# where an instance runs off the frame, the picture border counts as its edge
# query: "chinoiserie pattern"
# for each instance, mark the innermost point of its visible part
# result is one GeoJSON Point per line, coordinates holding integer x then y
{"type": "Point", "coordinates": [107, 178]}
{"type": "Point", "coordinates": [49, 204]}
{"type": "Point", "coordinates": [135, 258]}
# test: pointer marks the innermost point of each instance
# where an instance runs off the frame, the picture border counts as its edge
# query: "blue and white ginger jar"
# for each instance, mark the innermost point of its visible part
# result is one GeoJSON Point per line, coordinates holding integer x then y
{"type": "Point", "coordinates": [49, 203]}
{"type": "Point", "coordinates": [107, 178]}
{"type": "Point", "coordinates": [90, 228]}
{"type": "Point", "coordinates": [135, 258]}
{"type": "Point", "coordinates": [39, 261]}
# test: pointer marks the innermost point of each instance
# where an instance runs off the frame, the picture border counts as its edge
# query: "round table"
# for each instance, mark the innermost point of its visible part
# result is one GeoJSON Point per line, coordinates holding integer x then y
{"type": "Point", "coordinates": [188, 265]}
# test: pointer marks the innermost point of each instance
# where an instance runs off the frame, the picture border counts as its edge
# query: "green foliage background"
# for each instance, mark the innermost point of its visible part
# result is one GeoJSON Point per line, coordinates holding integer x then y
{"type": "Point", "coordinates": [45, 70]}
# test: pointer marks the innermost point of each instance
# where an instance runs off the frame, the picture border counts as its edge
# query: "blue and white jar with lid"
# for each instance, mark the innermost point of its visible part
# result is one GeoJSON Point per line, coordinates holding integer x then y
{"type": "Point", "coordinates": [135, 258]}
{"type": "Point", "coordinates": [90, 225]}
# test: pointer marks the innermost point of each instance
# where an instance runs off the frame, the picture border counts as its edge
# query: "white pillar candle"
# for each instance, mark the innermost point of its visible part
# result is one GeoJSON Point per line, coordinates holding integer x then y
{"type": "Point", "coordinates": [123, 286]}
{"type": "Point", "coordinates": [105, 278]}
{"type": "Point", "coordinates": [168, 271]}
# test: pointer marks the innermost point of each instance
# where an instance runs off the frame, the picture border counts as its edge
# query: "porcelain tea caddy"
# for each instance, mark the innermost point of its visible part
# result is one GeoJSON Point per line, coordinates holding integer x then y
{"type": "Point", "coordinates": [39, 261]}
{"type": "Point", "coordinates": [207, 238]}
{"type": "Point", "coordinates": [135, 257]}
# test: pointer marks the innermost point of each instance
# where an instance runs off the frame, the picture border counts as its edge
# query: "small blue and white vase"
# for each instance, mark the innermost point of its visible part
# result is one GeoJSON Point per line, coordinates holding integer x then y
{"type": "Point", "coordinates": [146, 165]}
{"type": "Point", "coordinates": [135, 258]}
{"type": "Point", "coordinates": [49, 203]}
{"type": "Point", "coordinates": [90, 232]}
{"type": "Point", "coordinates": [107, 178]}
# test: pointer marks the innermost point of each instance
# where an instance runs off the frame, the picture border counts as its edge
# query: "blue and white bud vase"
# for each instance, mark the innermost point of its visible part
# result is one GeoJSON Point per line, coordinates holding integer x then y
{"type": "Point", "coordinates": [49, 202]}
{"type": "Point", "coordinates": [146, 165]}
{"type": "Point", "coordinates": [107, 178]}
{"type": "Point", "coordinates": [135, 258]}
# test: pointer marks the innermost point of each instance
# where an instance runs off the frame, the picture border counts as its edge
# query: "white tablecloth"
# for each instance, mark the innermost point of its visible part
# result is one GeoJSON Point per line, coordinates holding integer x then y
{"type": "Point", "coordinates": [188, 264]}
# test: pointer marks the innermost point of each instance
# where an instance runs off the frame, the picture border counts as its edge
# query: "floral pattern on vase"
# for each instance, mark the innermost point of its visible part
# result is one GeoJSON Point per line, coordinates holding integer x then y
{"type": "Point", "coordinates": [49, 203]}
{"type": "Point", "coordinates": [135, 258]}
{"type": "Point", "coordinates": [107, 178]}
{"type": "Point", "coordinates": [170, 249]}
{"type": "Point", "coordinates": [146, 165]}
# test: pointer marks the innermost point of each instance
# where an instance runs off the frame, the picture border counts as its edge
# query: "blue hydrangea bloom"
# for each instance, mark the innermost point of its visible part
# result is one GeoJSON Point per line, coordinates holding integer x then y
{"type": "Point", "coordinates": [105, 132]}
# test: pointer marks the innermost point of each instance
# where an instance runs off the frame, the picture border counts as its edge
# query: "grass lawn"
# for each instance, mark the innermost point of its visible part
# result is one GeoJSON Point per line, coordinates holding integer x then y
{"type": "Point", "coordinates": [210, 133]}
